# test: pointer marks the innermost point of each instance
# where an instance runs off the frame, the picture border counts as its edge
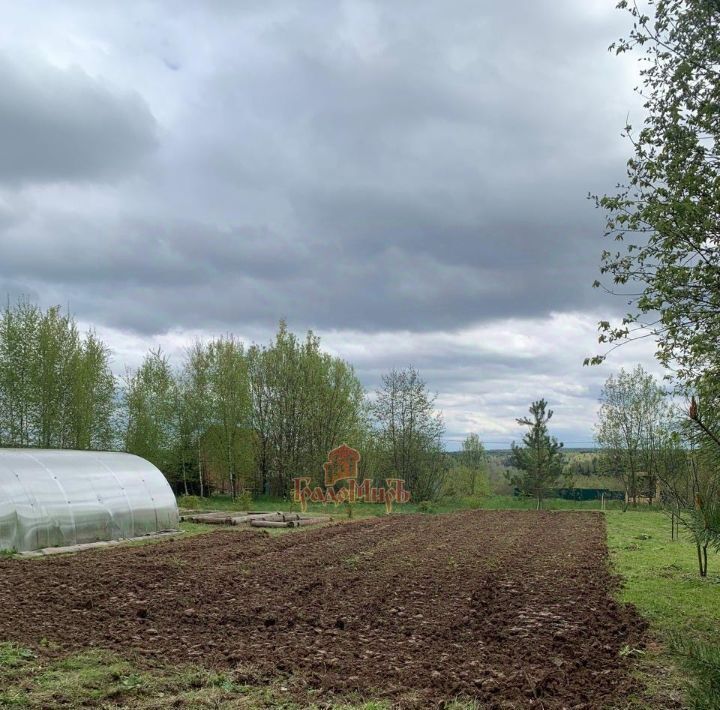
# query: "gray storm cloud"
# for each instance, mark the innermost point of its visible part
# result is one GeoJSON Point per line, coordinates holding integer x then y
{"type": "Point", "coordinates": [65, 125]}
{"type": "Point", "coordinates": [380, 166]}
{"type": "Point", "coordinates": [408, 167]}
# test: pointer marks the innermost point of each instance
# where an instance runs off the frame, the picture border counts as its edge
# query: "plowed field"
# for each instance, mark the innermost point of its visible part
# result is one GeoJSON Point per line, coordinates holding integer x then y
{"type": "Point", "coordinates": [513, 609]}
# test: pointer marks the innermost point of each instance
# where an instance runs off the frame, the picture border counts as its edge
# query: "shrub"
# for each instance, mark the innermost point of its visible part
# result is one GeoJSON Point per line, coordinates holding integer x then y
{"type": "Point", "coordinates": [245, 500]}
{"type": "Point", "coordinates": [463, 481]}
{"type": "Point", "coordinates": [189, 502]}
{"type": "Point", "coordinates": [426, 506]}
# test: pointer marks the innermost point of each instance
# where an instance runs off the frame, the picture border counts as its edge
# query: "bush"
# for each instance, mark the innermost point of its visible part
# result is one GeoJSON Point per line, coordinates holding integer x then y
{"type": "Point", "coordinates": [461, 481]}
{"type": "Point", "coordinates": [426, 506]}
{"type": "Point", "coordinates": [245, 500]}
{"type": "Point", "coordinates": [189, 502]}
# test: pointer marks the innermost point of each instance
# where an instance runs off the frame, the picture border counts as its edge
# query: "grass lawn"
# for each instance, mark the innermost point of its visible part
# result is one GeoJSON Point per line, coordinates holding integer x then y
{"type": "Point", "coordinates": [660, 576]}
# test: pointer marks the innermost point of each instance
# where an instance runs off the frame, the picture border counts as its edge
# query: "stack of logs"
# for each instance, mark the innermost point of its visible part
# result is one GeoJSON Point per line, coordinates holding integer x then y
{"type": "Point", "coordinates": [257, 519]}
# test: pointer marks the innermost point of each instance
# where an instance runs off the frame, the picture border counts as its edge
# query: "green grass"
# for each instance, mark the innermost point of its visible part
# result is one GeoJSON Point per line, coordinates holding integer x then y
{"type": "Point", "coordinates": [101, 679]}
{"type": "Point", "coordinates": [660, 577]}
{"type": "Point", "coordinates": [492, 502]}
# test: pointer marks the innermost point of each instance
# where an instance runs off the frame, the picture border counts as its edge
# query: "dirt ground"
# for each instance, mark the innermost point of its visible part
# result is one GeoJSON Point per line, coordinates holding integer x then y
{"type": "Point", "coordinates": [510, 608]}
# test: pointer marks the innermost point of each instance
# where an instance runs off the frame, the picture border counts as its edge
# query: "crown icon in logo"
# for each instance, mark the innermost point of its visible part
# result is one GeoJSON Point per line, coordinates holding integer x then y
{"type": "Point", "coordinates": [342, 464]}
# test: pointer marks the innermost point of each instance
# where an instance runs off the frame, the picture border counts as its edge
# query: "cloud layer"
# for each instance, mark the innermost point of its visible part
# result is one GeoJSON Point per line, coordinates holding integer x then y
{"type": "Point", "coordinates": [393, 172]}
{"type": "Point", "coordinates": [63, 125]}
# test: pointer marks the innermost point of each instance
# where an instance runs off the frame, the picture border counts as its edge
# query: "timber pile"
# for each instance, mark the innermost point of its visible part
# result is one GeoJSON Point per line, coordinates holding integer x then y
{"type": "Point", "coordinates": [256, 519]}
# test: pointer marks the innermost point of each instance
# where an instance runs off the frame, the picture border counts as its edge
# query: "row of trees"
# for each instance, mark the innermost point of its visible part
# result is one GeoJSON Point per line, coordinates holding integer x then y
{"type": "Point", "coordinates": [56, 387]}
{"type": "Point", "coordinates": [229, 416]}
{"type": "Point", "coordinates": [255, 417]}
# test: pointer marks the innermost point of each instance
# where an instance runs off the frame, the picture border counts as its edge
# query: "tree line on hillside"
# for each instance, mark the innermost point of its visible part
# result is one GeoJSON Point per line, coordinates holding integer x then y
{"type": "Point", "coordinates": [231, 417]}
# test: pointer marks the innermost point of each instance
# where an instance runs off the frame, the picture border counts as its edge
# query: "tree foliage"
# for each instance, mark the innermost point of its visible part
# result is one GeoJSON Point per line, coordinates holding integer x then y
{"type": "Point", "coordinates": [56, 388]}
{"type": "Point", "coordinates": [632, 423]}
{"type": "Point", "coordinates": [305, 402]}
{"type": "Point", "coordinates": [665, 220]}
{"type": "Point", "coordinates": [151, 402]}
{"type": "Point", "coordinates": [227, 417]}
{"type": "Point", "coordinates": [410, 432]}
{"type": "Point", "coordinates": [474, 461]}
{"type": "Point", "coordinates": [228, 392]}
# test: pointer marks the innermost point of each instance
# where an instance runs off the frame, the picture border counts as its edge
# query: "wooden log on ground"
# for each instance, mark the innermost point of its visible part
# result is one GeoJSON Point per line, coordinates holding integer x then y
{"type": "Point", "coordinates": [209, 521]}
{"type": "Point", "coordinates": [311, 521]}
{"type": "Point", "coordinates": [239, 519]}
{"type": "Point", "coordinates": [272, 524]}
{"type": "Point", "coordinates": [271, 517]}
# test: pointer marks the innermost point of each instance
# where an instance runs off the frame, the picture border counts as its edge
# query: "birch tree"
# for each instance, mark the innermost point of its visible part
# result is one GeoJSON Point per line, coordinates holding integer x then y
{"type": "Point", "coordinates": [664, 222]}
{"type": "Point", "coordinates": [92, 400]}
{"type": "Point", "coordinates": [633, 414]}
{"type": "Point", "coordinates": [18, 352]}
{"type": "Point", "coordinates": [474, 458]}
{"type": "Point", "coordinates": [411, 432]}
{"type": "Point", "coordinates": [229, 409]}
{"type": "Point", "coordinates": [305, 402]}
{"type": "Point", "coordinates": [56, 387]}
{"type": "Point", "coordinates": [151, 404]}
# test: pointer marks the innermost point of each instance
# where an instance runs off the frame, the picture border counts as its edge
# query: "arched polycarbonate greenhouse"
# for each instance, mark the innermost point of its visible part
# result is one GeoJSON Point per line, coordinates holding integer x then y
{"type": "Point", "coordinates": [51, 498]}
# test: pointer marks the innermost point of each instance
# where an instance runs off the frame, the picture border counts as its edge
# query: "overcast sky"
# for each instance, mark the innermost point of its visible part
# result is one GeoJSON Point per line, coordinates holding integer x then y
{"type": "Point", "coordinates": [406, 178]}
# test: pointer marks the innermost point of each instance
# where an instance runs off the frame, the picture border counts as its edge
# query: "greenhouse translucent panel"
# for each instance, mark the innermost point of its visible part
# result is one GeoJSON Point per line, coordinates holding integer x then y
{"type": "Point", "coordinates": [56, 497]}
